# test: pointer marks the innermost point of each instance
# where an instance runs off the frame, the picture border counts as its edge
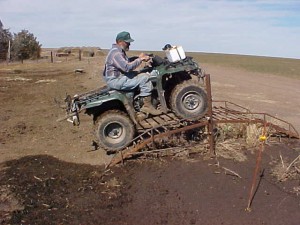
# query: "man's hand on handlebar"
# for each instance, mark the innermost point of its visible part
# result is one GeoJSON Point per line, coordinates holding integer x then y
{"type": "Point", "coordinates": [144, 57]}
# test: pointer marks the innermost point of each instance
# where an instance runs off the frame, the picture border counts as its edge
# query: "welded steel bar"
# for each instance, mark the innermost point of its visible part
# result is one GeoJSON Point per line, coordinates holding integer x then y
{"type": "Point", "coordinates": [226, 103]}
{"type": "Point", "coordinates": [210, 115]}
{"type": "Point", "coordinates": [258, 160]}
{"type": "Point", "coordinates": [168, 124]}
{"type": "Point", "coordinates": [128, 152]}
{"type": "Point", "coordinates": [257, 166]}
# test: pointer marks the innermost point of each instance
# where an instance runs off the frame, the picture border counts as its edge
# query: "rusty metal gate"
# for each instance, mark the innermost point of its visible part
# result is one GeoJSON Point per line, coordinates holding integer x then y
{"type": "Point", "coordinates": [166, 125]}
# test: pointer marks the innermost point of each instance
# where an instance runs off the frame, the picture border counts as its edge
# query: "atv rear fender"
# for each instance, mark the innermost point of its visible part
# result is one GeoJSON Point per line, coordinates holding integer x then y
{"type": "Point", "coordinates": [173, 74]}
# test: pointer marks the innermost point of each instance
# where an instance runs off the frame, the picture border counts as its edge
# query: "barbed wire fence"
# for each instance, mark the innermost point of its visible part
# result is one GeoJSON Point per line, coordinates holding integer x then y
{"type": "Point", "coordinates": [52, 55]}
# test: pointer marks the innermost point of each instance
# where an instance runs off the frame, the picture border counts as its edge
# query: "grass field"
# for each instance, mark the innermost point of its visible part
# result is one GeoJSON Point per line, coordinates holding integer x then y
{"type": "Point", "coordinates": [270, 65]}
{"type": "Point", "coordinates": [277, 66]}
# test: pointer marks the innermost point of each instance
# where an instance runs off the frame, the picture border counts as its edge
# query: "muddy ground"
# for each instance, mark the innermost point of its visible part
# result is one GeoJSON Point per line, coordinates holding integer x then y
{"type": "Point", "coordinates": [51, 174]}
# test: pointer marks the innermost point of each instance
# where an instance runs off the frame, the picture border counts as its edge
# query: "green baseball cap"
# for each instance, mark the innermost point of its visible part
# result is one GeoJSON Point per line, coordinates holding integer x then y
{"type": "Point", "coordinates": [124, 36]}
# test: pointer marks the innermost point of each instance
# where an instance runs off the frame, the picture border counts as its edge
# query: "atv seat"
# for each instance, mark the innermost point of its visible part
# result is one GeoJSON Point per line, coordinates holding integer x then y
{"type": "Point", "coordinates": [104, 89]}
{"type": "Point", "coordinates": [128, 93]}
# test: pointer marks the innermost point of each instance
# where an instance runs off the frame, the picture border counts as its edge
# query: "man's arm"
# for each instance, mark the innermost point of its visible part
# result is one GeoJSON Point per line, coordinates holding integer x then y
{"type": "Point", "coordinates": [122, 64]}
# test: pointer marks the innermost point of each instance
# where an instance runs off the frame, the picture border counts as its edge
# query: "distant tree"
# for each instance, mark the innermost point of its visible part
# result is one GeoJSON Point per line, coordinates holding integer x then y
{"type": "Point", "coordinates": [25, 46]}
{"type": "Point", "coordinates": [5, 37]}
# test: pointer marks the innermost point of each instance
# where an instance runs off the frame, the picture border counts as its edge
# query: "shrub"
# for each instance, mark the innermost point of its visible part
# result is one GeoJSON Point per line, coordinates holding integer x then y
{"type": "Point", "coordinates": [25, 46]}
{"type": "Point", "coordinates": [5, 37]}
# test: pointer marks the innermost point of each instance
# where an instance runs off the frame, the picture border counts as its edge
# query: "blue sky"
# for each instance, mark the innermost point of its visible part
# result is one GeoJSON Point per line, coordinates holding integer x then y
{"type": "Point", "coordinates": [249, 27]}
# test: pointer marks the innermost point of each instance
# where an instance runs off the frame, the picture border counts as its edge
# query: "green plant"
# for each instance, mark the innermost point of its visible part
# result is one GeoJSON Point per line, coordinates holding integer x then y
{"type": "Point", "coordinates": [5, 38]}
{"type": "Point", "coordinates": [25, 46]}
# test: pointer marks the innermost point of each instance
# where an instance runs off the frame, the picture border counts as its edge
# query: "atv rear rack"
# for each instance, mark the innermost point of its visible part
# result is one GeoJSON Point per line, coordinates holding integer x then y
{"type": "Point", "coordinates": [166, 125]}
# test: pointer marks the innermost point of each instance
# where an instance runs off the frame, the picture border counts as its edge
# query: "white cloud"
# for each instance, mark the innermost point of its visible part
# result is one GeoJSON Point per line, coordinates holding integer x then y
{"type": "Point", "coordinates": [243, 27]}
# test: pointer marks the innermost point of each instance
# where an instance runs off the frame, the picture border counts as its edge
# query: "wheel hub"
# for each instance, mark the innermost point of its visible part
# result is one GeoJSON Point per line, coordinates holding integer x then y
{"type": "Point", "coordinates": [191, 101]}
{"type": "Point", "coordinates": [114, 131]}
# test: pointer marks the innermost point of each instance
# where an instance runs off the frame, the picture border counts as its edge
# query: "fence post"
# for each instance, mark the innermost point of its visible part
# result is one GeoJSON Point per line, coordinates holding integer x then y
{"type": "Point", "coordinates": [51, 57]}
{"type": "Point", "coordinates": [8, 52]}
{"type": "Point", "coordinates": [210, 115]}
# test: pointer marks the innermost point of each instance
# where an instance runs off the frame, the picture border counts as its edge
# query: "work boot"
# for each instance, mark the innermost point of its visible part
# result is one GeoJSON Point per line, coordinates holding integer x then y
{"type": "Point", "coordinates": [140, 116]}
{"type": "Point", "coordinates": [148, 107]}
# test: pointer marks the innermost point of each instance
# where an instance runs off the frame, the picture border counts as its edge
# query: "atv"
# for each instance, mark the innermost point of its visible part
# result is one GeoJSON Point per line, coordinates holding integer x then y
{"type": "Point", "coordinates": [178, 88]}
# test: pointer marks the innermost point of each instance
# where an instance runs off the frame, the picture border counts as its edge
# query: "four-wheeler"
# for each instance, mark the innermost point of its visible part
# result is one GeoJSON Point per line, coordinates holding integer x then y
{"type": "Point", "coordinates": [178, 88]}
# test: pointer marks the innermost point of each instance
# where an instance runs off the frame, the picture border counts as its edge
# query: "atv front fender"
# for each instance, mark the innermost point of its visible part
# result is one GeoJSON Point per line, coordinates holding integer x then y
{"type": "Point", "coordinates": [110, 97]}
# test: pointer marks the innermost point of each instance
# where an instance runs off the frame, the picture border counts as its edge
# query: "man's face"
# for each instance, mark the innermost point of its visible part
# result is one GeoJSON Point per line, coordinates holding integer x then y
{"type": "Point", "coordinates": [125, 45]}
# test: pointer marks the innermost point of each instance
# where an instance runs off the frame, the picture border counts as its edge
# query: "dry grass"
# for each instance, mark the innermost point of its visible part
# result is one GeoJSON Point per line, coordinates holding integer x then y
{"type": "Point", "coordinates": [229, 130]}
{"type": "Point", "coordinates": [284, 170]}
{"type": "Point", "coordinates": [44, 67]}
{"type": "Point", "coordinates": [270, 65]}
{"type": "Point", "coordinates": [233, 139]}
{"type": "Point", "coordinates": [228, 145]}
{"type": "Point", "coordinates": [248, 132]}
{"type": "Point", "coordinates": [231, 149]}
{"type": "Point", "coordinates": [253, 131]}
{"type": "Point", "coordinates": [258, 64]}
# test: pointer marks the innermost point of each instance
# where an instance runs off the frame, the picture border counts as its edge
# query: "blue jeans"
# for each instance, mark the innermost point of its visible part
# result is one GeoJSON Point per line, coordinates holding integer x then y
{"type": "Point", "coordinates": [131, 81]}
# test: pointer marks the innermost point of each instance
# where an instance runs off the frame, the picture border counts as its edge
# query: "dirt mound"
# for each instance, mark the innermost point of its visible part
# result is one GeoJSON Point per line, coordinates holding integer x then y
{"type": "Point", "coordinates": [43, 188]}
{"type": "Point", "coordinates": [159, 191]}
{"type": "Point", "coordinates": [49, 173]}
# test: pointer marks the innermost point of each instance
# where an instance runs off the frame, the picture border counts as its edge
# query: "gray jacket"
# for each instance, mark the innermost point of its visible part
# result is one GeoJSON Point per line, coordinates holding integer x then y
{"type": "Point", "coordinates": [117, 63]}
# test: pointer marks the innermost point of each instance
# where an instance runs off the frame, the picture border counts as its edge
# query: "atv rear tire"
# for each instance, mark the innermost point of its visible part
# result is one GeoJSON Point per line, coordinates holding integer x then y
{"type": "Point", "coordinates": [114, 130]}
{"type": "Point", "coordinates": [189, 100]}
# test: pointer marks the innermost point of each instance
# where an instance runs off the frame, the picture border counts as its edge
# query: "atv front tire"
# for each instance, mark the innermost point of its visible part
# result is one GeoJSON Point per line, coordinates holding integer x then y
{"type": "Point", "coordinates": [114, 130]}
{"type": "Point", "coordinates": [189, 100]}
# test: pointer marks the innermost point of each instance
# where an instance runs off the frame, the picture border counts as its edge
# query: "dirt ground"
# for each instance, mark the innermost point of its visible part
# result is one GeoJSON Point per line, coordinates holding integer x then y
{"type": "Point", "coordinates": [50, 173]}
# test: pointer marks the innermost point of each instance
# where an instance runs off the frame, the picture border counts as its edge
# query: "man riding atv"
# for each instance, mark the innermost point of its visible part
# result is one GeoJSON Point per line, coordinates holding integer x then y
{"type": "Point", "coordinates": [174, 84]}
{"type": "Point", "coordinates": [119, 72]}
